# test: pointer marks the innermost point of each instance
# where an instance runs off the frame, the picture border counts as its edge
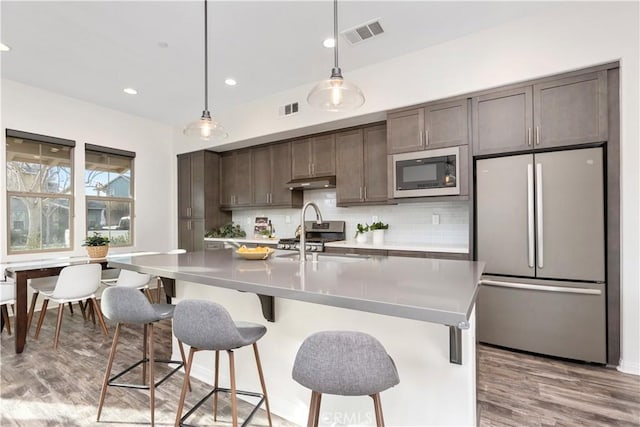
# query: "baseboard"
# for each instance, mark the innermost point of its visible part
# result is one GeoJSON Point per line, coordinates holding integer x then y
{"type": "Point", "coordinates": [629, 367]}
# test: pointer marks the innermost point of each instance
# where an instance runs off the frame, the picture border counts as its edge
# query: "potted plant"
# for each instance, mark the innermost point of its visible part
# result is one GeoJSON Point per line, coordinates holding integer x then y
{"type": "Point", "coordinates": [378, 232]}
{"type": "Point", "coordinates": [360, 236]}
{"type": "Point", "coordinates": [97, 245]}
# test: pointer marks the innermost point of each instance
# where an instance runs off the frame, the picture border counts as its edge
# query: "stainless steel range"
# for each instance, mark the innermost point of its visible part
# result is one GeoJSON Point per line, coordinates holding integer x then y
{"type": "Point", "coordinates": [316, 236]}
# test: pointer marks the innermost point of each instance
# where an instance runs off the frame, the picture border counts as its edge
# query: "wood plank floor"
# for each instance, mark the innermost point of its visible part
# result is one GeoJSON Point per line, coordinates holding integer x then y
{"type": "Point", "coordinates": [42, 387]}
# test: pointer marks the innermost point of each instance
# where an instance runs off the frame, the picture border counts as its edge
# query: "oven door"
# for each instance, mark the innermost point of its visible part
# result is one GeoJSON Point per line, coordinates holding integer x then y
{"type": "Point", "coordinates": [427, 173]}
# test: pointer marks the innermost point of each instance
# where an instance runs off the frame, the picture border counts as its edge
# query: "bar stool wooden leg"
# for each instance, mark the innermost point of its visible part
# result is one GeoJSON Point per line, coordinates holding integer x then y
{"type": "Point", "coordinates": [5, 317]}
{"type": "Point", "coordinates": [56, 337]}
{"type": "Point", "coordinates": [147, 292]}
{"type": "Point", "coordinates": [184, 359]}
{"type": "Point", "coordinates": [262, 383]}
{"type": "Point", "coordinates": [107, 374]}
{"type": "Point", "coordinates": [215, 386]}
{"type": "Point", "coordinates": [71, 308]}
{"type": "Point", "coordinates": [378, 409]}
{"type": "Point", "coordinates": [234, 403]}
{"type": "Point", "coordinates": [43, 312]}
{"type": "Point", "coordinates": [152, 382]}
{"type": "Point", "coordinates": [144, 353]}
{"type": "Point", "coordinates": [183, 394]}
{"type": "Point", "coordinates": [314, 409]}
{"type": "Point", "coordinates": [82, 309]}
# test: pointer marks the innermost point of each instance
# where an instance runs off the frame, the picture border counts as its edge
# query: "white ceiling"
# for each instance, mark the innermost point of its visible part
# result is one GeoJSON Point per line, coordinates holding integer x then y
{"type": "Point", "coordinates": [91, 50]}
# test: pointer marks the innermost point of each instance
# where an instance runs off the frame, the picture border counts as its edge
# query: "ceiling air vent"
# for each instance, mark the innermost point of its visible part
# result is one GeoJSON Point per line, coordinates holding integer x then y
{"type": "Point", "coordinates": [289, 109]}
{"type": "Point", "coordinates": [363, 32]}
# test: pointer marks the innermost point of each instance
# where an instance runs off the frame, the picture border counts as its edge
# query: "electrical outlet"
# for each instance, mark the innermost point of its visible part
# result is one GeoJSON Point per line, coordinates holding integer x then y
{"type": "Point", "coordinates": [287, 219]}
{"type": "Point", "coordinates": [435, 219]}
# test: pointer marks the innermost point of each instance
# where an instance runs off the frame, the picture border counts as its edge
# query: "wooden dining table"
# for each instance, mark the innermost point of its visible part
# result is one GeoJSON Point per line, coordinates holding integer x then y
{"type": "Point", "coordinates": [21, 272]}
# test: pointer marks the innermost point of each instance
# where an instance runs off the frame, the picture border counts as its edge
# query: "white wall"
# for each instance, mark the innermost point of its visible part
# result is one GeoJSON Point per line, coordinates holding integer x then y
{"type": "Point", "coordinates": [566, 37]}
{"type": "Point", "coordinates": [34, 110]}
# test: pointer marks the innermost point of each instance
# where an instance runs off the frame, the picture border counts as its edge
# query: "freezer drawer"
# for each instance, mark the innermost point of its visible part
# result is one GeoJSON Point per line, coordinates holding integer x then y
{"type": "Point", "coordinates": [563, 319]}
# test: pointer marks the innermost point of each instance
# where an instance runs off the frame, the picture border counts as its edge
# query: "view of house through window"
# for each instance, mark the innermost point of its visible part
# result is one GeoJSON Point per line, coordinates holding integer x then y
{"type": "Point", "coordinates": [39, 192]}
{"type": "Point", "coordinates": [109, 194]}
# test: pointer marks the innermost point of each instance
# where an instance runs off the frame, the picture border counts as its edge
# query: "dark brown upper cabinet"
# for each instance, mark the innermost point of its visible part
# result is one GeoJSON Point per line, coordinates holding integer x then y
{"type": "Point", "coordinates": [554, 113]}
{"type": "Point", "coordinates": [361, 166]}
{"type": "Point", "coordinates": [313, 157]}
{"type": "Point", "coordinates": [235, 179]}
{"type": "Point", "coordinates": [434, 125]}
{"type": "Point", "coordinates": [271, 172]}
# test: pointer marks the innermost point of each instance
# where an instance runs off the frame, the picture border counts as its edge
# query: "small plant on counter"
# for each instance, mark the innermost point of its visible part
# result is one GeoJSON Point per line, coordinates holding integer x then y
{"type": "Point", "coordinates": [361, 229]}
{"type": "Point", "coordinates": [228, 230]}
{"type": "Point", "coordinates": [379, 226]}
{"type": "Point", "coordinates": [96, 240]}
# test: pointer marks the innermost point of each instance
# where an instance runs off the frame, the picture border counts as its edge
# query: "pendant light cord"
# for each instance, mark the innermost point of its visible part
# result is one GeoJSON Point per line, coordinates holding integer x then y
{"type": "Point", "coordinates": [335, 32]}
{"type": "Point", "coordinates": [206, 61]}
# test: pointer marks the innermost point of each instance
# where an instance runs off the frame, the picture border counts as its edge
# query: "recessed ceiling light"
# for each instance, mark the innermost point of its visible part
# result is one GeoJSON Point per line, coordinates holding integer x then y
{"type": "Point", "coordinates": [230, 82]}
{"type": "Point", "coordinates": [329, 43]}
{"type": "Point", "coordinates": [130, 91]}
{"type": "Point", "coordinates": [4, 47]}
{"type": "Point", "coordinates": [163, 45]}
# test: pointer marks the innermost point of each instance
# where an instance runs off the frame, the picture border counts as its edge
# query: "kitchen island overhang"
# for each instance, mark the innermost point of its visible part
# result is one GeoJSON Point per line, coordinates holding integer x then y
{"type": "Point", "coordinates": [429, 290]}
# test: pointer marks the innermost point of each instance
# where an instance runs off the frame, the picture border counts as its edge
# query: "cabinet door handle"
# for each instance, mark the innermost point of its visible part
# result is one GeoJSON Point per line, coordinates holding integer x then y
{"type": "Point", "coordinates": [420, 138]}
{"type": "Point", "coordinates": [188, 211]}
{"type": "Point", "coordinates": [537, 135]}
{"type": "Point", "coordinates": [360, 193]}
{"type": "Point", "coordinates": [188, 225]}
{"type": "Point", "coordinates": [540, 215]}
{"type": "Point", "coordinates": [309, 168]}
{"type": "Point", "coordinates": [529, 136]}
{"type": "Point", "coordinates": [365, 192]}
{"type": "Point", "coordinates": [426, 138]}
{"type": "Point", "coordinates": [313, 168]}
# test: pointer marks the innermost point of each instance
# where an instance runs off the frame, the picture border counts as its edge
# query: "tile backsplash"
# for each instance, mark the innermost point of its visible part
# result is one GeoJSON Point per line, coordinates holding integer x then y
{"type": "Point", "coordinates": [408, 222]}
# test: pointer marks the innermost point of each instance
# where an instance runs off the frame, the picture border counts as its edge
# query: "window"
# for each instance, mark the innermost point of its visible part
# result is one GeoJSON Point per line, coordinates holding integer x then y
{"type": "Point", "coordinates": [39, 192]}
{"type": "Point", "coordinates": [108, 185]}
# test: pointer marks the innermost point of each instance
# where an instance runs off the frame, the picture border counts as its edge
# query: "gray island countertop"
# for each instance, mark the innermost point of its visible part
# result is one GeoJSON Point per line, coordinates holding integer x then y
{"type": "Point", "coordinates": [431, 290]}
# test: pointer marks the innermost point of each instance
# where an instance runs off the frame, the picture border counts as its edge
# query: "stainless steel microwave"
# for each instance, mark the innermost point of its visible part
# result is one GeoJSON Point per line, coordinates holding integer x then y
{"type": "Point", "coordinates": [427, 173]}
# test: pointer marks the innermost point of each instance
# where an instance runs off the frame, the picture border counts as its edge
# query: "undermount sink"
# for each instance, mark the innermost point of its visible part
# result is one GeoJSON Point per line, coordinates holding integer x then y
{"type": "Point", "coordinates": [319, 257]}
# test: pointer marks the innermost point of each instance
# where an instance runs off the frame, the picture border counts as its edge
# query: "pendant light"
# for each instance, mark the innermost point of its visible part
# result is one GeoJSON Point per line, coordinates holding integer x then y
{"type": "Point", "coordinates": [206, 128]}
{"type": "Point", "coordinates": [335, 94]}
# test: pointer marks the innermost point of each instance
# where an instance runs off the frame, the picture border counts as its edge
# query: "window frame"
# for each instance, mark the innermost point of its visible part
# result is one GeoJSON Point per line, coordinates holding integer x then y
{"type": "Point", "coordinates": [46, 140]}
{"type": "Point", "coordinates": [109, 199]}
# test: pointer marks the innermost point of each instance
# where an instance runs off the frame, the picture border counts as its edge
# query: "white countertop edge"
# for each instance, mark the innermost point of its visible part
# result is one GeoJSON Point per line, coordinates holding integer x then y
{"type": "Point", "coordinates": [399, 246]}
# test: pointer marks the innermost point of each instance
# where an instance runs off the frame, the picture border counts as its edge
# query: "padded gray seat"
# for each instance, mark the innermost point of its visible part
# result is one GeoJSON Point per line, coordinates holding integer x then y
{"type": "Point", "coordinates": [205, 325]}
{"type": "Point", "coordinates": [127, 305]}
{"type": "Point", "coordinates": [344, 363]}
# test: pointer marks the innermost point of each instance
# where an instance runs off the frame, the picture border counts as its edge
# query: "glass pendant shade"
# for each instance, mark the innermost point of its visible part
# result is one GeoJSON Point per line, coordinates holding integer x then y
{"type": "Point", "coordinates": [335, 94]}
{"type": "Point", "coordinates": [206, 128]}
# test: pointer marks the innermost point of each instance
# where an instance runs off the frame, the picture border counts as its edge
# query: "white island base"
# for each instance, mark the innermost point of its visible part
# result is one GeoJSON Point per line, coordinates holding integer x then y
{"type": "Point", "coordinates": [432, 391]}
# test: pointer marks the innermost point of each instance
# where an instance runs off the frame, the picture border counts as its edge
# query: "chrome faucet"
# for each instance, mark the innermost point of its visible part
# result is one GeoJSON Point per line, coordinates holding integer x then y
{"type": "Point", "coordinates": [303, 231]}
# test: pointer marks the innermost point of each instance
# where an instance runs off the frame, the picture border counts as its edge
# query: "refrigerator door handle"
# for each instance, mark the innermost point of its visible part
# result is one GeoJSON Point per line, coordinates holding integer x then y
{"type": "Point", "coordinates": [543, 288]}
{"type": "Point", "coordinates": [530, 223]}
{"type": "Point", "coordinates": [540, 215]}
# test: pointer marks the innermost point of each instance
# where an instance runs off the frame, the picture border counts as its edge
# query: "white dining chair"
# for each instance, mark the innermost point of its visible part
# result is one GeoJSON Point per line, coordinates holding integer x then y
{"type": "Point", "coordinates": [75, 283]}
{"type": "Point", "coordinates": [7, 296]}
{"type": "Point", "coordinates": [43, 284]}
{"type": "Point", "coordinates": [132, 279]}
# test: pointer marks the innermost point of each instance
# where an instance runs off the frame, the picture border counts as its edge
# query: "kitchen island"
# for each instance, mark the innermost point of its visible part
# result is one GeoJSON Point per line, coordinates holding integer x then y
{"type": "Point", "coordinates": [404, 302]}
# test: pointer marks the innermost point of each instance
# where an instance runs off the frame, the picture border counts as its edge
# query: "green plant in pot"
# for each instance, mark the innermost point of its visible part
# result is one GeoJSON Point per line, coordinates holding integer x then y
{"type": "Point", "coordinates": [360, 236]}
{"type": "Point", "coordinates": [378, 229]}
{"type": "Point", "coordinates": [97, 245]}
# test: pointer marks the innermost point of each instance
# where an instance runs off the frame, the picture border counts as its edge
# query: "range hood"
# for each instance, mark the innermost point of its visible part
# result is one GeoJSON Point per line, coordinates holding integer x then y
{"type": "Point", "coordinates": [312, 183]}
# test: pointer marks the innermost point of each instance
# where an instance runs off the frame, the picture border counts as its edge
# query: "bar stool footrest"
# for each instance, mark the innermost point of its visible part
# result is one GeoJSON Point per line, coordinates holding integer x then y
{"type": "Point", "coordinates": [224, 390]}
{"type": "Point", "coordinates": [142, 386]}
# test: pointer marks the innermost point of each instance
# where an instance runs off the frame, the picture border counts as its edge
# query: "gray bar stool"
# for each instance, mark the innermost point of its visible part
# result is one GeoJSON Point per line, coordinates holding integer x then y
{"type": "Point", "coordinates": [129, 305]}
{"type": "Point", "coordinates": [344, 363]}
{"type": "Point", "coordinates": [206, 325]}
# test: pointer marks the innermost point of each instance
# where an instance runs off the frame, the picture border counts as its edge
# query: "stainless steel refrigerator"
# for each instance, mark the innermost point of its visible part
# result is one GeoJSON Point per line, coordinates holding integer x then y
{"type": "Point", "coordinates": [540, 229]}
